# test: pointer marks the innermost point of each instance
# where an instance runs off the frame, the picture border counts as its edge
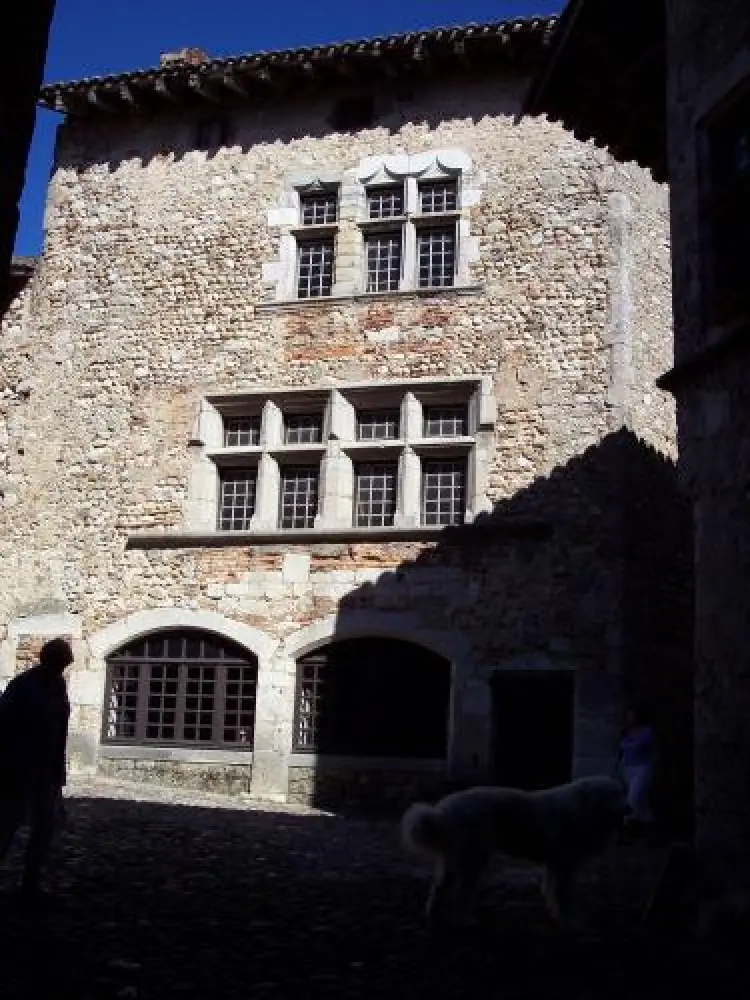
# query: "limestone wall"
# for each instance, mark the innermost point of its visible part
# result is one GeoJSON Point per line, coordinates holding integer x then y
{"type": "Point", "coordinates": [153, 291]}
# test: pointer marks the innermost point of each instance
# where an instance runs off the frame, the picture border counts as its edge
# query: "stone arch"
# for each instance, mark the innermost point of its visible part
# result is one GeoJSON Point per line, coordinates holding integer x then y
{"type": "Point", "coordinates": [104, 642]}
{"type": "Point", "coordinates": [388, 624]}
{"type": "Point", "coordinates": [87, 686]}
{"type": "Point", "coordinates": [463, 753]}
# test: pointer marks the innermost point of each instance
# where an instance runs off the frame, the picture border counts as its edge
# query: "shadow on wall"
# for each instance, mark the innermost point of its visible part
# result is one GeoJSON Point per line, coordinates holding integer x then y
{"type": "Point", "coordinates": [589, 568]}
{"type": "Point", "coordinates": [284, 119]}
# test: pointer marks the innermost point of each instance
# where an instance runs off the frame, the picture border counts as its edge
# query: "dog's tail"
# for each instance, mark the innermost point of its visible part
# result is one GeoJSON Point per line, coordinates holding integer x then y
{"type": "Point", "coordinates": [422, 829]}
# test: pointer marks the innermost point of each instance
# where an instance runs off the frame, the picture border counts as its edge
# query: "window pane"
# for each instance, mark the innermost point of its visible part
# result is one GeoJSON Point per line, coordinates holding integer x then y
{"type": "Point", "coordinates": [315, 269]}
{"type": "Point", "coordinates": [438, 196]}
{"type": "Point", "coordinates": [241, 432]}
{"type": "Point", "coordinates": [445, 421]}
{"type": "Point", "coordinates": [239, 706]}
{"type": "Point", "coordinates": [377, 425]}
{"type": "Point", "coordinates": [385, 202]}
{"type": "Point", "coordinates": [299, 496]}
{"type": "Point", "coordinates": [161, 716]}
{"type": "Point", "coordinates": [237, 500]}
{"type": "Point", "coordinates": [304, 428]}
{"type": "Point", "coordinates": [375, 495]}
{"type": "Point", "coordinates": [383, 253]}
{"type": "Point", "coordinates": [443, 492]}
{"type": "Point", "coordinates": [200, 699]}
{"type": "Point", "coordinates": [318, 209]}
{"type": "Point", "coordinates": [122, 702]}
{"type": "Point", "coordinates": [436, 254]}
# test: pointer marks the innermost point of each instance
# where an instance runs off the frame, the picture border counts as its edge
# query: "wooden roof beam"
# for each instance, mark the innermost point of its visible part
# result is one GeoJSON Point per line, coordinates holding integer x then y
{"type": "Point", "coordinates": [101, 101]}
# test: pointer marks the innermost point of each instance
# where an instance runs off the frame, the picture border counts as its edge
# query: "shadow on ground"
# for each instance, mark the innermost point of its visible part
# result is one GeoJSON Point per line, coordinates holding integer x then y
{"type": "Point", "coordinates": [154, 900]}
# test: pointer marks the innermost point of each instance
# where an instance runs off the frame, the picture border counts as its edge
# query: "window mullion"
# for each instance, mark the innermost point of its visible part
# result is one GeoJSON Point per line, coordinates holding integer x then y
{"type": "Point", "coordinates": [220, 691]}
{"type": "Point", "coordinates": [141, 713]}
{"type": "Point", "coordinates": [179, 722]}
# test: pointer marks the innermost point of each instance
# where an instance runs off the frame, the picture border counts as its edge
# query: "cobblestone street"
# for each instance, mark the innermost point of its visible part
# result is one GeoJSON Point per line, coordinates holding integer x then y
{"type": "Point", "coordinates": [159, 894]}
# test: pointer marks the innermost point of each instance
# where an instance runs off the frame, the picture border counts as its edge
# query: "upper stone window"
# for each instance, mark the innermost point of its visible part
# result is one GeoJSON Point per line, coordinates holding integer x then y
{"type": "Point", "coordinates": [393, 223]}
{"type": "Point", "coordinates": [303, 428]}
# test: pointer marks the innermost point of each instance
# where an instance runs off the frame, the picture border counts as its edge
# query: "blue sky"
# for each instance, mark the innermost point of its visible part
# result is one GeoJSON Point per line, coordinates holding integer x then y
{"type": "Point", "coordinates": [94, 37]}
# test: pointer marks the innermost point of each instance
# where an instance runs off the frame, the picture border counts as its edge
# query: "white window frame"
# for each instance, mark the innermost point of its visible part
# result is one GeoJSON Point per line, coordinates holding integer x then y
{"type": "Point", "coordinates": [340, 450]}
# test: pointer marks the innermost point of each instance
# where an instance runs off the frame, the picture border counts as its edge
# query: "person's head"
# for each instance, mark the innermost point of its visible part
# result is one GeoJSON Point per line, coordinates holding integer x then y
{"type": "Point", "coordinates": [56, 655]}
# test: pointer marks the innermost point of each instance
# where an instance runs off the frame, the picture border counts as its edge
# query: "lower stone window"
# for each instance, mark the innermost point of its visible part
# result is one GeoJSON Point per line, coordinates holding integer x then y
{"type": "Point", "coordinates": [299, 496]}
{"type": "Point", "coordinates": [373, 697]}
{"type": "Point", "coordinates": [181, 689]}
{"type": "Point", "coordinates": [237, 500]}
{"type": "Point", "coordinates": [443, 492]}
{"type": "Point", "coordinates": [375, 494]}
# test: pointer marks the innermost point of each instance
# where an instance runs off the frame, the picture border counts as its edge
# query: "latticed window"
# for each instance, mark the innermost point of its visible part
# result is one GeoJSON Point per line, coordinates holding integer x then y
{"type": "Point", "coordinates": [319, 208]}
{"type": "Point", "coordinates": [372, 697]}
{"type": "Point", "coordinates": [438, 196]}
{"type": "Point", "coordinates": [436, 257]}
{"type": "Point", "coordinates": [181, 688]}
{"type": "Point", "coordinates": [377, 425]}
{"type": "Point", "coordinates": [315, 268]}
{"type": "Point", "coordinates": [383, 252]}
{"type": "Point", "coordinates": [241, 432]}
{"type": "Point", "coordinates": [303, 428]}
{"type": "Point", "coordinates": [237, 500]}
{"type": "Point", "coordinates": [385, 202]}
{"type": "Point", "coordinates": [443, 491]}
{"type": "Point", "coordinates": [445, 421]}
{"type": "Point", "coordinates": [375, 494]}
{"type": "Point", "coordinates": [299, 496]}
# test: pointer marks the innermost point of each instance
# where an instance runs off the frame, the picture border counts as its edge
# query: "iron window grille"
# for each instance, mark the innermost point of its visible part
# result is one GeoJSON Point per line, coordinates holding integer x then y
{"type": "Point", "coordinates": [299, 496]}
{"type": "Point", "coordinates": [318, 209]}
{"type": "Point", "coordinates": [237, 499]}
{"type": "Point", "coordinates": [241, 432]}
{"type": "Point", "coordinates": [385, 202]}
{"type": "Point", "coordinates": [181, 688]}
{"type": "Point", "coordinates": [375, 494]}
{"type": "Point", "coordinates": [436, 257]}
{"type": "Point", "coordinates": [377, 425]}
{"type": "Point", "coordinates": [445, 421]}
{"type": "Point", "coordinates": [383, 255]}
{"type": "Point", "coordinates": [443, 492]}
{"type": "Point", "coordinates": [438, 196]}
{"type": "Point", "coordinates": [315, 268]}
{"type": "Point", "coordinates": [346, 703]}
{"type": "Point", "coordinates": [303, 428]}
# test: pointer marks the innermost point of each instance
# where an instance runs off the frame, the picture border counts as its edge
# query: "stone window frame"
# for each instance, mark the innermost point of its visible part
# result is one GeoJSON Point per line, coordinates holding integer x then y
{"type": "Point", "coordinates": [340, 451]}
{"type": "Point", "coordinates": [353, 223]}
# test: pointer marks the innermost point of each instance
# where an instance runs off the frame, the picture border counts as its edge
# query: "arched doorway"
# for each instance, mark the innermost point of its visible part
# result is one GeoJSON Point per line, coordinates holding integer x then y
{"type": "Point", "coordinates": [372, 697]}
{"type": "Point", "coordinates": [180, 687]}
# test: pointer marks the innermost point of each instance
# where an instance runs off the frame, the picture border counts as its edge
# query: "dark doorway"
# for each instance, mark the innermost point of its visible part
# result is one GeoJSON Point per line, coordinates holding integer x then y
{"type": "Point", "coordinates": [532, 715]}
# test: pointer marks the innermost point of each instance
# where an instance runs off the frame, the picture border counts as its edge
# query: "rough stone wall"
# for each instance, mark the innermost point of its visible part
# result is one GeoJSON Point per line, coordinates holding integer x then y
{"type": "Point", "coordinates": [149, 295]}
{"type": "Point", "coordinates": [709, 58]}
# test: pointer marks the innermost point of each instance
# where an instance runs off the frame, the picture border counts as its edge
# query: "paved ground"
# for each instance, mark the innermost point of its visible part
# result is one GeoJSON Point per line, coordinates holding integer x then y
{"type": "Point", "coordinates": [161, 895]}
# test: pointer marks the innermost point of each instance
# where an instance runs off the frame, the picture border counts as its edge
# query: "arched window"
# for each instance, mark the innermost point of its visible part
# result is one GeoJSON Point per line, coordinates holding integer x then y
{"type": "Point", "coordinates": [181, 688]}
{"type": "Point", "coordinates": [373, 697]}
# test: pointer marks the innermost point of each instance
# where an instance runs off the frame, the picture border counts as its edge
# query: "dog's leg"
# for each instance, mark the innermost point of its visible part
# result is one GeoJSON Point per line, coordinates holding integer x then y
{"type": "Point", "coordinates": [558, 894]}
{"type": "Point", "coordinates": [443, 884]}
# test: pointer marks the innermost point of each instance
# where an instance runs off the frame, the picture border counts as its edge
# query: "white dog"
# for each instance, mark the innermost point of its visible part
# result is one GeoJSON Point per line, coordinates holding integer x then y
{"type": "Point", "coordinates": [558, 828]}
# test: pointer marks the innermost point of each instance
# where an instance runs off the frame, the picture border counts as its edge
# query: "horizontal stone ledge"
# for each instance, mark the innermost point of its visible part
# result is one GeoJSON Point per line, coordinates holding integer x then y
{"type": "Point", "coordinates": [368, 296]}
{"type": "Point", "coordinates": [177, 754]}
{"type": "Point", "coordinates": [394, 765]}
{"type": "Point", "coordinates": [317, 536]}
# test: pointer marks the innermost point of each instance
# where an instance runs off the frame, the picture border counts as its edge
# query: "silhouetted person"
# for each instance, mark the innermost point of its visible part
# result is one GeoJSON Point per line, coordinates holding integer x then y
{"type": "Point", "coordinates": [34, 715]}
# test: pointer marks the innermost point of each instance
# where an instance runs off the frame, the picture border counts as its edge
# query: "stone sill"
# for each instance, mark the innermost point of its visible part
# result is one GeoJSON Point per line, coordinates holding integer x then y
{"type": "Point", "coordinates": [331, 536]}
{"type": "Point", "coordinates": [368, 297]}
{"type": "Point", "coordinates": [328, 762]}
{"type": "Point", "coordinates": [185, 755]}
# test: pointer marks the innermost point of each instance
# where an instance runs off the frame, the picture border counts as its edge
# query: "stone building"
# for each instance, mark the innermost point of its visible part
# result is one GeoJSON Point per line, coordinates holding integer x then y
{"type": "Point", "coordinates": [677, 83]}
{"type": "Point", "coordinates": [330, 432]}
